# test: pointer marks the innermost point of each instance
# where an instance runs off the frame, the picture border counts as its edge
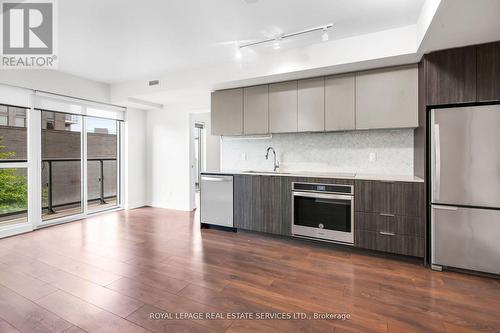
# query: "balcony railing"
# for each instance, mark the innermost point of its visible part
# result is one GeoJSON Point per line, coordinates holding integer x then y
{"type": "Point", "coordinates": [52, 208]}
{"type": "Point", "coordinates": [49, 185]}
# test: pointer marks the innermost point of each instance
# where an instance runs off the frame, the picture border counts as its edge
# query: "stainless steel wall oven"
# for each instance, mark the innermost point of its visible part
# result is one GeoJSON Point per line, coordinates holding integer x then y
{"type": "Point", "coordinates": [323, 211]}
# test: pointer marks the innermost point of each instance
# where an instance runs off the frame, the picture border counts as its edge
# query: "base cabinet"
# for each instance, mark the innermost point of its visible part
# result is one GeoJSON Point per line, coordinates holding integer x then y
{"type": "Point", "coordinates": [264, 203]}
{"type": "Point", "coordinates": [257, 203]}
{"type": "Point", "coordinates": [391, 243]}
{"type": "Point", "coordinates": [389, 216]}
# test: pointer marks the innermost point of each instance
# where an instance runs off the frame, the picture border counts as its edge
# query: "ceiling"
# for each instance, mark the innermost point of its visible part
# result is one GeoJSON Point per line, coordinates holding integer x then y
{"type": "Point", "coordinates": [117, 41]}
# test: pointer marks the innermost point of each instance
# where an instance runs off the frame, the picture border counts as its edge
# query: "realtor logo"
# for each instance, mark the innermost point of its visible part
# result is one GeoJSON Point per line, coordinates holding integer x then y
{"type": "Point", "coordinates": [28, 30]}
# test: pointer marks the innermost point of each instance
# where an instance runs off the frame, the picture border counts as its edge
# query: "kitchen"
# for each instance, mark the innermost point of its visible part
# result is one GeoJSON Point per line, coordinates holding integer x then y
{"type": "Point", "coordinates": [324, 188]}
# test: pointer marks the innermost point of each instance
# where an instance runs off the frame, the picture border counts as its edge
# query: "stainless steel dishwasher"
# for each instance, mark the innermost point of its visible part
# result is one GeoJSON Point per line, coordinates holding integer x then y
{"type": "Point", "coordinates": [216, 197]}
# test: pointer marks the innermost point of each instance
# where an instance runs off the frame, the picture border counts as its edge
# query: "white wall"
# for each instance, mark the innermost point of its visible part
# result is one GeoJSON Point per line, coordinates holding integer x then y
{"type": "Point", "coordinates": [168, 160]}
{"type": "Point", "coordinates": [379, 49]}
{"type": "Point", "coordinates": [326, 152]}
{"type": "Point", "coordinates": [135, 159]}
{"type": "Point", "coordinates": [57, 83]}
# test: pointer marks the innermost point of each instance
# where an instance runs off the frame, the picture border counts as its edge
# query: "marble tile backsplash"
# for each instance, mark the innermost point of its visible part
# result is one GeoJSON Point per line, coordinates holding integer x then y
{"type": "Point", "coordinates": [385, 152]}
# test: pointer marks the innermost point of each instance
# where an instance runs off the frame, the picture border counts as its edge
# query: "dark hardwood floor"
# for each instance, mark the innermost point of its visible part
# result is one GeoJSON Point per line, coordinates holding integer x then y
{"type": "Point", "coordinates": [109, 273]}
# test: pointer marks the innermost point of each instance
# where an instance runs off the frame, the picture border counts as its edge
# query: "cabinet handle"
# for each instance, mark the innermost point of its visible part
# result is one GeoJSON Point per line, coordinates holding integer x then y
{"type": "Point", "coordinates": [388, 215]}
{"type": "Point", "coordinates": [387, 233]}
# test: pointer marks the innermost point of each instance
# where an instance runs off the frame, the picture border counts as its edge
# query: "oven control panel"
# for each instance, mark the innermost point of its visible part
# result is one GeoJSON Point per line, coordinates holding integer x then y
{"type": "Point", "coordinates": [323, 188]}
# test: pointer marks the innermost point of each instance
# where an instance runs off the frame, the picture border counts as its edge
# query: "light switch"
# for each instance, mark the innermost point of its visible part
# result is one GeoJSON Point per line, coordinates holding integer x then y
{"type": "Point", "coordinates": [372, 157]}
{"type": "Point", "coordinates": [243, 156]}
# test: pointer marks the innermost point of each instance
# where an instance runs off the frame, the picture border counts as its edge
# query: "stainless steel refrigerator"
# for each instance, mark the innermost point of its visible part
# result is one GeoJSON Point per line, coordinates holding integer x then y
{"type": "Point", "coordinates": [465, 193]}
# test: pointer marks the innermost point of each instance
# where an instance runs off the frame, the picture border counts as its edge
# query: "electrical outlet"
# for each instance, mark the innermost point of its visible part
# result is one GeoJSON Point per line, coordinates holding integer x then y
{"type": "Point", "coordinates": [372, 157]}
{"type": "Point", "coordinates": [243, 156]}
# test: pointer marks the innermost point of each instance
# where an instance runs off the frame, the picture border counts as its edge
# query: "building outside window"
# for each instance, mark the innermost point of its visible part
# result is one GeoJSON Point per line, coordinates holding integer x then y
{"type": "Point", "coordinates": [4, 115]}
{"type": "Point", "coordinates": [20, 117]}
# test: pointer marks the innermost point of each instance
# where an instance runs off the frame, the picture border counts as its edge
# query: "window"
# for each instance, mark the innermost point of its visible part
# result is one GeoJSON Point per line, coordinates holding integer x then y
{"type": "Point", "coordinates": [14, 176]}
{"type": "Point", "coordinates": [13, 138]}
{"type": "Point", "coordinates": [13, 195]}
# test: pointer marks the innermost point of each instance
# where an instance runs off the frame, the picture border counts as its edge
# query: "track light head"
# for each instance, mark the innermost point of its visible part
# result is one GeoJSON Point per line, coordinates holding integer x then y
{"type": "Point", "coordinates": [324, 36]}
{"type": "Point", "coordinates": [277, 44]}
{"type": "Point", "coordinates": [238, 55]}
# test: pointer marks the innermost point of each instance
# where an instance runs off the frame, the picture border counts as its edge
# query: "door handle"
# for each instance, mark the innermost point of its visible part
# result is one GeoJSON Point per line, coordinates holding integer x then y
{"type": "Point", "coordinates": [215, 179]}
{"type": "Point", "coordinates": [445, 207]}
{"type": "Point", "coordinates": [437, 165]}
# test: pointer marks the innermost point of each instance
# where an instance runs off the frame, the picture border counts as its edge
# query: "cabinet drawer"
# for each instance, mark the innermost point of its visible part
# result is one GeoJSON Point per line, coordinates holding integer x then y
{"type": "Point", "coordinates": [397, 198]}
{"type": "Point", "coordinates": [369, 222]}
{"type": "Point", "coordinates": [389, 242]}
{"type": "Point", "coordinates": [397, 224]}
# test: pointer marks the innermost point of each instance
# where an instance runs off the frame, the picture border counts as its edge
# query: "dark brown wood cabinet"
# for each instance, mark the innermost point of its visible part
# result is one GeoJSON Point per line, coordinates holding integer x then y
{"type": "Point", "coordinates": [462, 75]}
{"type": "Point", "coordinates": [393, 224]}
{"type": "Point", "coordinates": [243, 202]}
{"type": "Point", "coordinates": [257, 203]}
{"type": "Point", "coordinates": [488, 72]}
{"type": "Point", "coordinates": [398, 244]}
{"type": "Point", "coordinates": [397, 198]}
{"type": "Point", "coordinates": [451, 76]}
{"type": "Point", "coordinates": [390, 217]}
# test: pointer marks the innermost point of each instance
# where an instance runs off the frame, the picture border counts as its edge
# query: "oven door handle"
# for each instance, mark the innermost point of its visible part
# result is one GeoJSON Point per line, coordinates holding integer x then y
{"type": "Point", "coordinates": [322, 195]}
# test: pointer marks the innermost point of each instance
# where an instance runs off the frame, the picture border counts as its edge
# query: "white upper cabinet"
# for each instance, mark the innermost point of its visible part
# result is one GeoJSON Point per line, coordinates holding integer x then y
{"type": "Point", "coordinates": [387, 98]}
{"type": "Point", "coordinates": [340, 103]}
{"type": "Point", "coordinates": [283, 107]}
{"type": "Point", "coordinates": [311, 105]}
{"type": "Point", "coordinates": [256, 110]}
{"type": "Point", "coordinates": [227, 112]}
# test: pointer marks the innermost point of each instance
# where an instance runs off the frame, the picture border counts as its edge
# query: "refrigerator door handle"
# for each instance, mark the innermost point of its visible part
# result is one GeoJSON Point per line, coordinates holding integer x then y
{"type": "Point", "coordinates": [444, 207]}
{"type": "Point", "coordinates": [437, 162]}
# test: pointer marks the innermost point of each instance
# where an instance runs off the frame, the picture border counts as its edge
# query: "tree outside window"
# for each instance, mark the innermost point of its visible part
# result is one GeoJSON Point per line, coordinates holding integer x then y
{"type": "Point", "coordinates": [13, 186]}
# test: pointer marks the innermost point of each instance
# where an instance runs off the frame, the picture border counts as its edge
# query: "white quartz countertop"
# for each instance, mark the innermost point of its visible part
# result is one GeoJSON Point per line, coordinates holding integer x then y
{"type": "Point", "coordinates": [394, 178]}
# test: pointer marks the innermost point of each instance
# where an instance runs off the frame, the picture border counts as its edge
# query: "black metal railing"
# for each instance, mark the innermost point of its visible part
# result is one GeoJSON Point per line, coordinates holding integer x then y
{"type": "Point", "coordinates": [50, 207]}
{"type": "Point", "coordinates": [50, 196]}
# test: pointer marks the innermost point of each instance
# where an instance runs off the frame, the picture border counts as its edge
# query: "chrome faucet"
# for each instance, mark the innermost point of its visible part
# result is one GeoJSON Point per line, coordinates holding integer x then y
{"type": "Point", "coordinates": [276, 164]}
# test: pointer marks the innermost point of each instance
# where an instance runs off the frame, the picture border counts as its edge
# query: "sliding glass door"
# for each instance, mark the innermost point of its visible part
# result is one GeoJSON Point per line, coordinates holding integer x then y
{"type": "Point", "coordinates": [61, 143]}
{"type": "Point", "coordinates": [102, 163]}
{"type": "Point", "coordinates": [60, 159]}
{"type": "Point", "coordinates": [67, 140]}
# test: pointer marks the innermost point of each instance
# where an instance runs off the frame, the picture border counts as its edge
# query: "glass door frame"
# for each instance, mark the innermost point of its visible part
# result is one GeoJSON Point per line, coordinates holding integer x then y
{"type": "Point", "coordinates": [199, 128]}
{"type": "Point", "coordinates": [35, 212]}
{"type": "Point", "coordinates": [119, 169]}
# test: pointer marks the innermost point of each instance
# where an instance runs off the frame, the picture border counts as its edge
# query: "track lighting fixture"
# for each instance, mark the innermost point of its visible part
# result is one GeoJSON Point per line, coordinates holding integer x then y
{"type": "Point", "coordinates": [277, 41]}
